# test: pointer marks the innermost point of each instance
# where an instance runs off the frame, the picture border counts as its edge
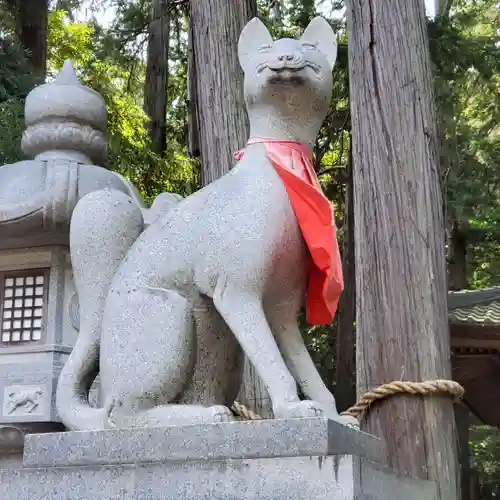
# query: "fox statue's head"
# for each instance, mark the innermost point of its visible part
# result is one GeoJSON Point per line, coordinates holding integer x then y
{"type": "Point", "coordinates": [288, 83]}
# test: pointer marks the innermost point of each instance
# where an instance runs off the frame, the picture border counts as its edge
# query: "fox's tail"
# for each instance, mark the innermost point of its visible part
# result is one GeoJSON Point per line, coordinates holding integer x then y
{"type": "Point", "coordinates": [104, 226]}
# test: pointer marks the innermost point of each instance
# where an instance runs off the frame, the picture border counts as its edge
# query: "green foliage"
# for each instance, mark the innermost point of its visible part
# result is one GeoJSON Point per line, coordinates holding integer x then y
{"type": "Point", "coordinates": [118, 77]}
{"type": "Point", "coordinates": [129, 151]}
{"type": "Point", "coordinates": [466, 53]}
{"type": "Point", "coordinates": [15, 71]}
{"type": "Point", "coordinates": [15, 83]}
{"type": "Point", "coordinates": [11, 128]}
{"type": "Point", "coordinates": [485, 448]}
{"type": "Point", "coordinates": [465, 49]}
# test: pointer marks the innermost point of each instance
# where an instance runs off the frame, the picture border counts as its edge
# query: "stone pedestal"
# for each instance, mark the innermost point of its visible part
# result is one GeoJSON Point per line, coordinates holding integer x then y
{"type": "Point", "coordinates": [306, 459]}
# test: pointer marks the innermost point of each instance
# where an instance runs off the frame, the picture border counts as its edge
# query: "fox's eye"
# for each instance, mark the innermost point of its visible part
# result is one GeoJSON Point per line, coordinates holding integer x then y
{"type": "Point", "coordinates": [309, 46]}
{"type": "Point", "coordinates": [264, 48]}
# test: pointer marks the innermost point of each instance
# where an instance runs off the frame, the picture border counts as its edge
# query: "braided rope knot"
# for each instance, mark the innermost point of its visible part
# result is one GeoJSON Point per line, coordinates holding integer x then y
{"type": "Point", "coordinates": [429, 387]}
{"type": "Point", "coordinates": [244, 412]}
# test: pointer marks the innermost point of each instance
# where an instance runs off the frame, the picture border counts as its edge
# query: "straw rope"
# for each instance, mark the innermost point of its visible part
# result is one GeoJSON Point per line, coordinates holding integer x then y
{"type": "Point", "coordinates": [427, 388]}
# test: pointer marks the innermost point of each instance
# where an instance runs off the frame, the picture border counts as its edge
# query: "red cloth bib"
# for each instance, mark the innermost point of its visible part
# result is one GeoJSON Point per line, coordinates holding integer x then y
{"type": "Point", "coordinates": [314, 213]}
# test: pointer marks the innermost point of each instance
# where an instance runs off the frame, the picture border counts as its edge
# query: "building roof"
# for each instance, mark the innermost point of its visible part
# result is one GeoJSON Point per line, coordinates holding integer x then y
{"type": "Point", "coordinates": [474, 319]}
{"type": "Point", "coordinates": [475, 307]}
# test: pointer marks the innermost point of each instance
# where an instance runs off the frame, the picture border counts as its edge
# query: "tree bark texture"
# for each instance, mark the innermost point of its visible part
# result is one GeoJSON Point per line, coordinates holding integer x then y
{"type": "Point", "coordinates": [345, 363]}
{"type": "Point", "coordinates": [402, 331]}
{"type": "Point", "coordinates": [31, 21]}
{"type": "Point", "coordinates": [156, 85]}
{"type": "Point", "coordinates": [193, 129]}
{"type": "Point", "coordinates": [462, 421]}
{"type": "Point", "coordinates": [221, 116]}
{"type": "Point", "coordinates": [457, 257]}
{"type": "Point", "coordinates": [443, 7]}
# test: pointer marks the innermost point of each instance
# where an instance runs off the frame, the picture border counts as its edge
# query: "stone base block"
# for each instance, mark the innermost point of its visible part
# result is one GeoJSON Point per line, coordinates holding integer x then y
{"type": "Point", "coordinates": [306, 459]}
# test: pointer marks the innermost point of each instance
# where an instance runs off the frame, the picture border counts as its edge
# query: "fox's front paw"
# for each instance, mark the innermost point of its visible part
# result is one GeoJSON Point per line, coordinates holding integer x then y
{"type": "Point", "coordinates": [332, 414]}
{"type": "Point", "coordinates": [299, 409]}
{"type": "Point", "coordinates": [220, 413]}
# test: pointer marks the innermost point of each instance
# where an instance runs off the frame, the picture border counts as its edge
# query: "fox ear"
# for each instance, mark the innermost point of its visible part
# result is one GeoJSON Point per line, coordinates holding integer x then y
{"type": "Point", "coordinates": [253, 36]}
{"type": "Point", "coordinates": [321, 34]}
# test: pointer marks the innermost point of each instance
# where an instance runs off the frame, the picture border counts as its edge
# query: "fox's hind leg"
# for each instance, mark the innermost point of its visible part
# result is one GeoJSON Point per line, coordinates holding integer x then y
{"type": "Point", "coordinates": [148, 346]}
{"type": "Point", "coordinates": [148, 353]}
{"type": "Point", "coordinates": [219, 367]}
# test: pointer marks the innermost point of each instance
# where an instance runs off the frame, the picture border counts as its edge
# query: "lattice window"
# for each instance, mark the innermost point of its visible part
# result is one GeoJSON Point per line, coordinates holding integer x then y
{"type": "Point", "coordinates": [23, 304]}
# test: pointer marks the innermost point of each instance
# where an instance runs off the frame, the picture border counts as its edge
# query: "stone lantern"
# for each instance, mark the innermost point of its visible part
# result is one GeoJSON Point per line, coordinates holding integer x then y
{"type": "Point", "coordinates": [65, 124]}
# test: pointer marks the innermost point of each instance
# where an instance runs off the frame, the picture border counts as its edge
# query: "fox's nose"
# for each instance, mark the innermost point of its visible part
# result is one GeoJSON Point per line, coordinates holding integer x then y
{"type": "Point", "coordinates": [286, 57]}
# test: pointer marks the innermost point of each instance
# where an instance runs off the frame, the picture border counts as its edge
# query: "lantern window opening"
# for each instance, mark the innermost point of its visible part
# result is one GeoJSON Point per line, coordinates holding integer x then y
{"type": "Point", "coordinates": [23, 304]}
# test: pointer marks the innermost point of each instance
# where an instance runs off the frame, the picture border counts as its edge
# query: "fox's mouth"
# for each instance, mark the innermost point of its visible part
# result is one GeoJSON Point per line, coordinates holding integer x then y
{"type": "Point", "coordinates": [284, 68]}
{"type": "Point", "coordinates": [281, 67]}
{"type": "Point", "coordinates": [287, 76]}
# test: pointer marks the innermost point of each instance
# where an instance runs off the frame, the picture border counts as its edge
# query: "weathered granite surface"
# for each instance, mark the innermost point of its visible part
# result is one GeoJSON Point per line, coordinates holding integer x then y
{"type": "Point", "coordinates": [218, 441]}
{"type": "Point", "coordinates": [166, 312]}
{"type": "Point", "coordinates": [65, 124]}
{"type": "Point", "coordinates": [300, 459]}
{"type": "Point", "coordinates": [300, 478]}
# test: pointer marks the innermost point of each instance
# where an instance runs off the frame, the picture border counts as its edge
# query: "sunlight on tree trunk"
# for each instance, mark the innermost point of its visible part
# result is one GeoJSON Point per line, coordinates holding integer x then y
{"type": "Point", "coordinates": [156, 85]}
{"type": "Point", "coordinates": [221, 115]}
{"type": "Point", "coordinates": [221, 109]}
{"type": "Point", "coordinates": [402, 330]}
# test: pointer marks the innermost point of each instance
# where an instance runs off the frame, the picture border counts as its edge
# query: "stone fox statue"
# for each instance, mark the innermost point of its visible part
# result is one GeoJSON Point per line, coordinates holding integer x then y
{"type": "Point", "coordinates": [167, 311]}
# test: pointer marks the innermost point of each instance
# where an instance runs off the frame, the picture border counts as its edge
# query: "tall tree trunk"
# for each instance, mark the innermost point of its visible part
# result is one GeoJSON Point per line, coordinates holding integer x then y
{"type": "Point", "coordinates": [443, 7]}
{"type": "Point", "coordinates": [31, 26]}
{"type": "Point", "coordinates": [193, 129]}
{"type": "Point", "coordinates": [402, 331]}
{"type": "Point", "coordinates": [221, 110]}
{"type": "Point", "coordinates": [221, 115]}
{"type": "Point", "coordinates": [156, 85]}
{"type": "Point", "coordinates": [345, 363]}
{"type": "Point", "coordinates": [68, 6]}
{"type": "Point", "coordinates": [462, 420]}
{"type": "Point", "coordinates": [457, 257]}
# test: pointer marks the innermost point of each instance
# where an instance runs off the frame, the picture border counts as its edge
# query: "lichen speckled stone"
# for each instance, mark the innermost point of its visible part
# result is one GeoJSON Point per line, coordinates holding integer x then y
{"type": "Point", "coordinates": [299, 478]}
{"type": "Point", "coordinates": [298, 459]}
{"type": "Point", "coordinates": [222, 441]}
{"type": "Point", "coordinates": [65, 134]}
{"type": "Point", "coordinates": [65, 123]}
{"type": "Point", "coordinates": [166, 312]}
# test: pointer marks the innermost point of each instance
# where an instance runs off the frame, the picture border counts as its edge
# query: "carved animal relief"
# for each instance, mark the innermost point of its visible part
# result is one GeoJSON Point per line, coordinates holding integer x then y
{"type": "Point", "coordinates": [22, 400]}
